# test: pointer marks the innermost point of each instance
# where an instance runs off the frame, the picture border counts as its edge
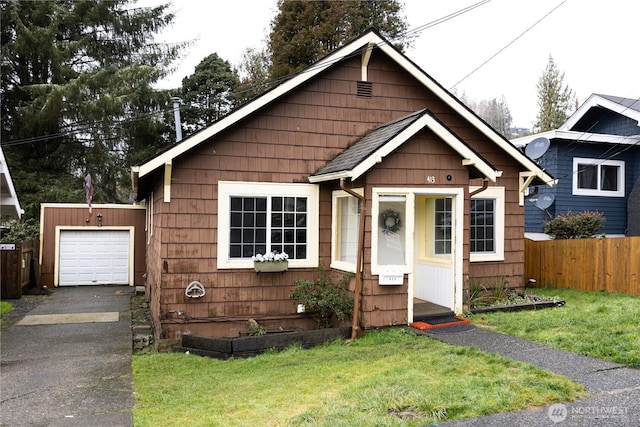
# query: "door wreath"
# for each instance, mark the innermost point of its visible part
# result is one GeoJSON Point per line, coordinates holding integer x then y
{"type": "Point", "coordinates": [390, 221]}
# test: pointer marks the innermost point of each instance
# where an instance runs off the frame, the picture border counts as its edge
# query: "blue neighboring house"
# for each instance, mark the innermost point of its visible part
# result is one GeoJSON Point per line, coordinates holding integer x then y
{"type": "Point", "coordinates": [595, 156]}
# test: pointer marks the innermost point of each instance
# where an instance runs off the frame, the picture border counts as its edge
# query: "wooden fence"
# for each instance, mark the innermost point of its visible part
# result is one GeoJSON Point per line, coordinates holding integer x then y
{"type": "Point", "coordinates": [18, 267]}
{"type": "Point", "coordinates": [611, 265]}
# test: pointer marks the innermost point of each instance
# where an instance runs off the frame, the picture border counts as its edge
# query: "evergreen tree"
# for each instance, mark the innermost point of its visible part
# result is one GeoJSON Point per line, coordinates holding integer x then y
{"type": "Point", "coordinates": [305, 31]}
{"type": "Point", "coordinates": [254, 74]}
{"type": "Point", "coordinates": [555, 99]}
{"type": "Point", "coordinates": [208, 92]}
{"type": "Point", "coordinates": [77, 96]}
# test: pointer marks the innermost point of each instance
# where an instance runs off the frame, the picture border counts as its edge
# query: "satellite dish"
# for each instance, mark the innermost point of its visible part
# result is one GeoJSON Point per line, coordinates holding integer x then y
{"type": "Point", "coordinates": [545, 200]}
{"type": "Point", "coordinates": [536, 148]}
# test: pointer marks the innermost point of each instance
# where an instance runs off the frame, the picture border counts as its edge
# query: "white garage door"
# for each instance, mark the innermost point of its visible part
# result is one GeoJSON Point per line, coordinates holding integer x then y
{"type": "Point", "coordinates": [94, 257]}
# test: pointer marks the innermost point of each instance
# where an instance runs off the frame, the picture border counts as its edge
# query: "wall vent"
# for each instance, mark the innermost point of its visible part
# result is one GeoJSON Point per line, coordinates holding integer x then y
{"type": "Point", "coordinates": [365, 89]}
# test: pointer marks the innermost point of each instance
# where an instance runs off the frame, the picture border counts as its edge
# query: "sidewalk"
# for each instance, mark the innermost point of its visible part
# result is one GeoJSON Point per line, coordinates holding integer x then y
{"type": "Point", "coordinates": [614, 389]}
{"type": "Point", "coordinates": [68, 362]}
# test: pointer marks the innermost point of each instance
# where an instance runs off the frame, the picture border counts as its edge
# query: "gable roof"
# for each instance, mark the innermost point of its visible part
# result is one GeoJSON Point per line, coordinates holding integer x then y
{"type": "Point", "coordinates": [381, 141]}
{"type": "Point", "coordinates": [627, 107]}
{"type": "Point", "coordinates": [368, 40]}
{"type": "Point", "coordinates": [9, 203]}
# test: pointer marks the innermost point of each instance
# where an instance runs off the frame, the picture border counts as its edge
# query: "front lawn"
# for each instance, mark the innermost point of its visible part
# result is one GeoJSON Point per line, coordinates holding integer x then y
{"type": "Point", "coordinates": [596, 324]}
{"type": "Point", "coordinates": [388, 378]}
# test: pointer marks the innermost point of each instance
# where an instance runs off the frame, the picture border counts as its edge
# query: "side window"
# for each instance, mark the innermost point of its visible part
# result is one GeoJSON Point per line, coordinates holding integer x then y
{"type": "Point", "coordinates": [442, 227]}
{"type": "Point", "coordinates": [597, 177]}
{"type": "Point", "coordinates": [487, 225]}
{"type": "Point", "coordinates": [345, 224]}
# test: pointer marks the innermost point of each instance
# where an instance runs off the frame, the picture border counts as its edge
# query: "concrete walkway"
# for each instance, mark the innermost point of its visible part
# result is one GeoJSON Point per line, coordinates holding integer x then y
{"type": "Point", "coordinates": [614, 389]}
{"type": "Point", "coordinates": [68, 362]}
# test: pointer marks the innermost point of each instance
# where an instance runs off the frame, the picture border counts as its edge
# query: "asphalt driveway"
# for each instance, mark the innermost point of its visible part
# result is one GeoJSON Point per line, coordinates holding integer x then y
{"type": "Point", "coordinates": [68, 362]}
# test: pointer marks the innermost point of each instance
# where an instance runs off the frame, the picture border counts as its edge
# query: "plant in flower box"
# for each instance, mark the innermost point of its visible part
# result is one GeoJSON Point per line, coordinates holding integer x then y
{"type": "Point", "coordinates": [271, 262]}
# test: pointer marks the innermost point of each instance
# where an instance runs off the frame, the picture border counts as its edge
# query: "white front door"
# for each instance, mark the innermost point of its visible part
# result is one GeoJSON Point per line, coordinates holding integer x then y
{"type": "Point", "coordinates": [94, 257]}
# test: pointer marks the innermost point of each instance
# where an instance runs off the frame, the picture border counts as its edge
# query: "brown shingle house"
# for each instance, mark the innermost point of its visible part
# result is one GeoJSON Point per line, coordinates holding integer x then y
{"type": "Point", "coordinates": [363, 134]}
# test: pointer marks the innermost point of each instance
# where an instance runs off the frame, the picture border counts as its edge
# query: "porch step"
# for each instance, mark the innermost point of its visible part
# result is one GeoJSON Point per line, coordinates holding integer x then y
{"type": "Point", "coordinates": [426, 311]}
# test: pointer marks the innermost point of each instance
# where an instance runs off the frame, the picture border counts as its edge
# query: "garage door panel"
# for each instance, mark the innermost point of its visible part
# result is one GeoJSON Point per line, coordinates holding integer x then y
{"type": "Point", "coordinates": [94, 257]}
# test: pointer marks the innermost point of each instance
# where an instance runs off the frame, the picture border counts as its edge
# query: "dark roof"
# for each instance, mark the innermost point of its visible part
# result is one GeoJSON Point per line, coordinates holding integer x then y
{"type": "Point", "coordinates": [365, 147]}
{"type": "Point", "coordinates": [633, 104]}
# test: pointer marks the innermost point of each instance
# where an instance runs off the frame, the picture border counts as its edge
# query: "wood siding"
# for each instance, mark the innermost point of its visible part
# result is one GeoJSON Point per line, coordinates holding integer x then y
{"type": "Point", "coordinates": [558, 161]}
{"type": "Point", "coordinates": [611, 265]}
{"type": "Point", "coordinates": [76, 215]}
{"type": "Point", "coordinates": [286, 142]}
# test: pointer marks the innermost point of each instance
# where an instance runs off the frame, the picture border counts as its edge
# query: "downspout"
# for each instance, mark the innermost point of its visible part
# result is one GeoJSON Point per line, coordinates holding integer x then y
{"type": "Point", "coordinates": [355, 326]}
{"type": "Point", "coordinates": [485, 185]}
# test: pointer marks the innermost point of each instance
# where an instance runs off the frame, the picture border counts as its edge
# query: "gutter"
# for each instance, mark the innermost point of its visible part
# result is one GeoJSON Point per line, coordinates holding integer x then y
{"type": "Point", "coordinates": [485, 185]}
{"type": "Point", "coordinates": [355, 326]}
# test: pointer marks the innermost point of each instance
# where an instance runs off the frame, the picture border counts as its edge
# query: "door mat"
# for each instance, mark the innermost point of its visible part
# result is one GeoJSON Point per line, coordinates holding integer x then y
{"type": "Point", "coordinates": [56, 319]}
{"type": "Point", "coordinates": [439, 322]}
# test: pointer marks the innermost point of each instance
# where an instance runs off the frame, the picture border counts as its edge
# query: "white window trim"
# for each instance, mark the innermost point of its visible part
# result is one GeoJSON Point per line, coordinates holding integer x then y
{"type": "Point", "coordinates": [226, 189]}
{"type": "Point", "coordinates": [335, 262]}
{"type": "Point", "coordinates": [409, 223]}
{"type": "Point", "coordinates": [497, 193]}
{"type": "Point", "coordinates": [445, 257]}
{"type": "Point", "coordinates": [598, 162]}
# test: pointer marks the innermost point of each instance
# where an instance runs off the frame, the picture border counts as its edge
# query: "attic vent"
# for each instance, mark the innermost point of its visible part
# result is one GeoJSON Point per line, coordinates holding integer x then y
{"type": "Point", "coordinates": [365, 89]}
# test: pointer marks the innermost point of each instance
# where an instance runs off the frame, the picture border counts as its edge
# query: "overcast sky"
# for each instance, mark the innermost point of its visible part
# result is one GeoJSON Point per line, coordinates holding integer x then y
{"type": "Point", "coordinates": [595, 43]}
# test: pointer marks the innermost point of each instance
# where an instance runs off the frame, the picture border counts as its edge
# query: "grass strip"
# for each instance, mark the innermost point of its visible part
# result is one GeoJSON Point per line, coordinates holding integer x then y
{"type": "Point", "coordinates": [597, 324]}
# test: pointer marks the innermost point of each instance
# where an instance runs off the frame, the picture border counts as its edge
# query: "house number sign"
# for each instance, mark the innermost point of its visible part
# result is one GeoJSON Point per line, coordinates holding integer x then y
{"type": "Point", "coordinates": [431, 179]}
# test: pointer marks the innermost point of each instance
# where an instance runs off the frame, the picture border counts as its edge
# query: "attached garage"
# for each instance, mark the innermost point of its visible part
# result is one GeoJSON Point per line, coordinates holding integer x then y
{"type": "Point", "coordinates": [95, 257]}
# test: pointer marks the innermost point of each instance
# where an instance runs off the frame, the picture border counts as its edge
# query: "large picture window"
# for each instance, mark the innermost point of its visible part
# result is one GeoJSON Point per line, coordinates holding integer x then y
{"type": "Point", "coordinates": [597, 177]}
{"type": "Point", "coordinates": [268, 224]}
{"type": "Point", "coordinates": [487, 225]}
{"type": "Point", "coordinates": [256, 218]}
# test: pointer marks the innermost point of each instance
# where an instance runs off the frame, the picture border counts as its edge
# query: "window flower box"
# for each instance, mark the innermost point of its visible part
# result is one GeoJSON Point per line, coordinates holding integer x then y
{"type": "Point", "coordinates": [271, 262]}
{"type": "Point", "coordinates": [271, 267]}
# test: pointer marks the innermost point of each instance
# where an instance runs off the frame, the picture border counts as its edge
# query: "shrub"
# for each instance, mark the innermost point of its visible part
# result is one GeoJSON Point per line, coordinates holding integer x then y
{"type": "Point", "coordinates": [575, 226]}
{"type": "Point", "coordinates": [19, 231]}
{"type": "Point", "coordinates": [323, 299]}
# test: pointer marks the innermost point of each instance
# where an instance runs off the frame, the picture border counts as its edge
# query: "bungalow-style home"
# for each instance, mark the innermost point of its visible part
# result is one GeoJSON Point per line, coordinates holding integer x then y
{"type": "Point", "coordinates": [361, 141]}
{"type": "Point", "coordinates": [595, 155]}
{"type": "Point", "coordinates": [9, 203]}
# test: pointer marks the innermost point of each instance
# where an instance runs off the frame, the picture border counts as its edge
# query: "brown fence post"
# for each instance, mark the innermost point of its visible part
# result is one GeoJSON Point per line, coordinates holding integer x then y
{"type": "Point", "coordinates": [10, 271]}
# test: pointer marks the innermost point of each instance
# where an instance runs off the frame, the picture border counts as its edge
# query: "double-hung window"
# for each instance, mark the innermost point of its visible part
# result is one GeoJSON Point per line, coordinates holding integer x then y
{"type": "Point", "coordinates": [257, 218]}
{"type": "Point", "coordinates": [487, 225]}
{"type": "Point", "coordinates": [597, 177]}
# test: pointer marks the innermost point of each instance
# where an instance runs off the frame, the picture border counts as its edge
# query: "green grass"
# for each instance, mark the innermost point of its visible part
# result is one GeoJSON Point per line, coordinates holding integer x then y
{"type": "Point", "coordinates": [5, 307]}
{"type": "Point", "coordinates": [596, 324]}
{"type": "Point", "coordinates": [388, 378]}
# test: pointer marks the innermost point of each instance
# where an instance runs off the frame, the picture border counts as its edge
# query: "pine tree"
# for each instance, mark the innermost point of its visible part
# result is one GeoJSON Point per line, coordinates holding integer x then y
{"type": "Point", "coordinates": [555, 99]}
{"type": "Point", "coordinates": [305, 31]}
{"type": "Point", "coordinates": [77, 95]}
{"type": "Point", "coordinates": [208, 92]}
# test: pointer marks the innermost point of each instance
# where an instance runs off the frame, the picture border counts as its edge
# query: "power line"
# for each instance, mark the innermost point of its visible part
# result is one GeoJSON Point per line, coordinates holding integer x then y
{"type": "Point", "coordinates": [270, 83]}
{"type": "Point", "coordinates": [508, 44]}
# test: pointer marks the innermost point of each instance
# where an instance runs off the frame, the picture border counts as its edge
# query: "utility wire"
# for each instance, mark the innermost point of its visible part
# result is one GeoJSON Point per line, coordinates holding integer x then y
{"type": "Point", "coordinates": [508, 44]}
{"type": "Point", "coordinates": [272, 83]}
